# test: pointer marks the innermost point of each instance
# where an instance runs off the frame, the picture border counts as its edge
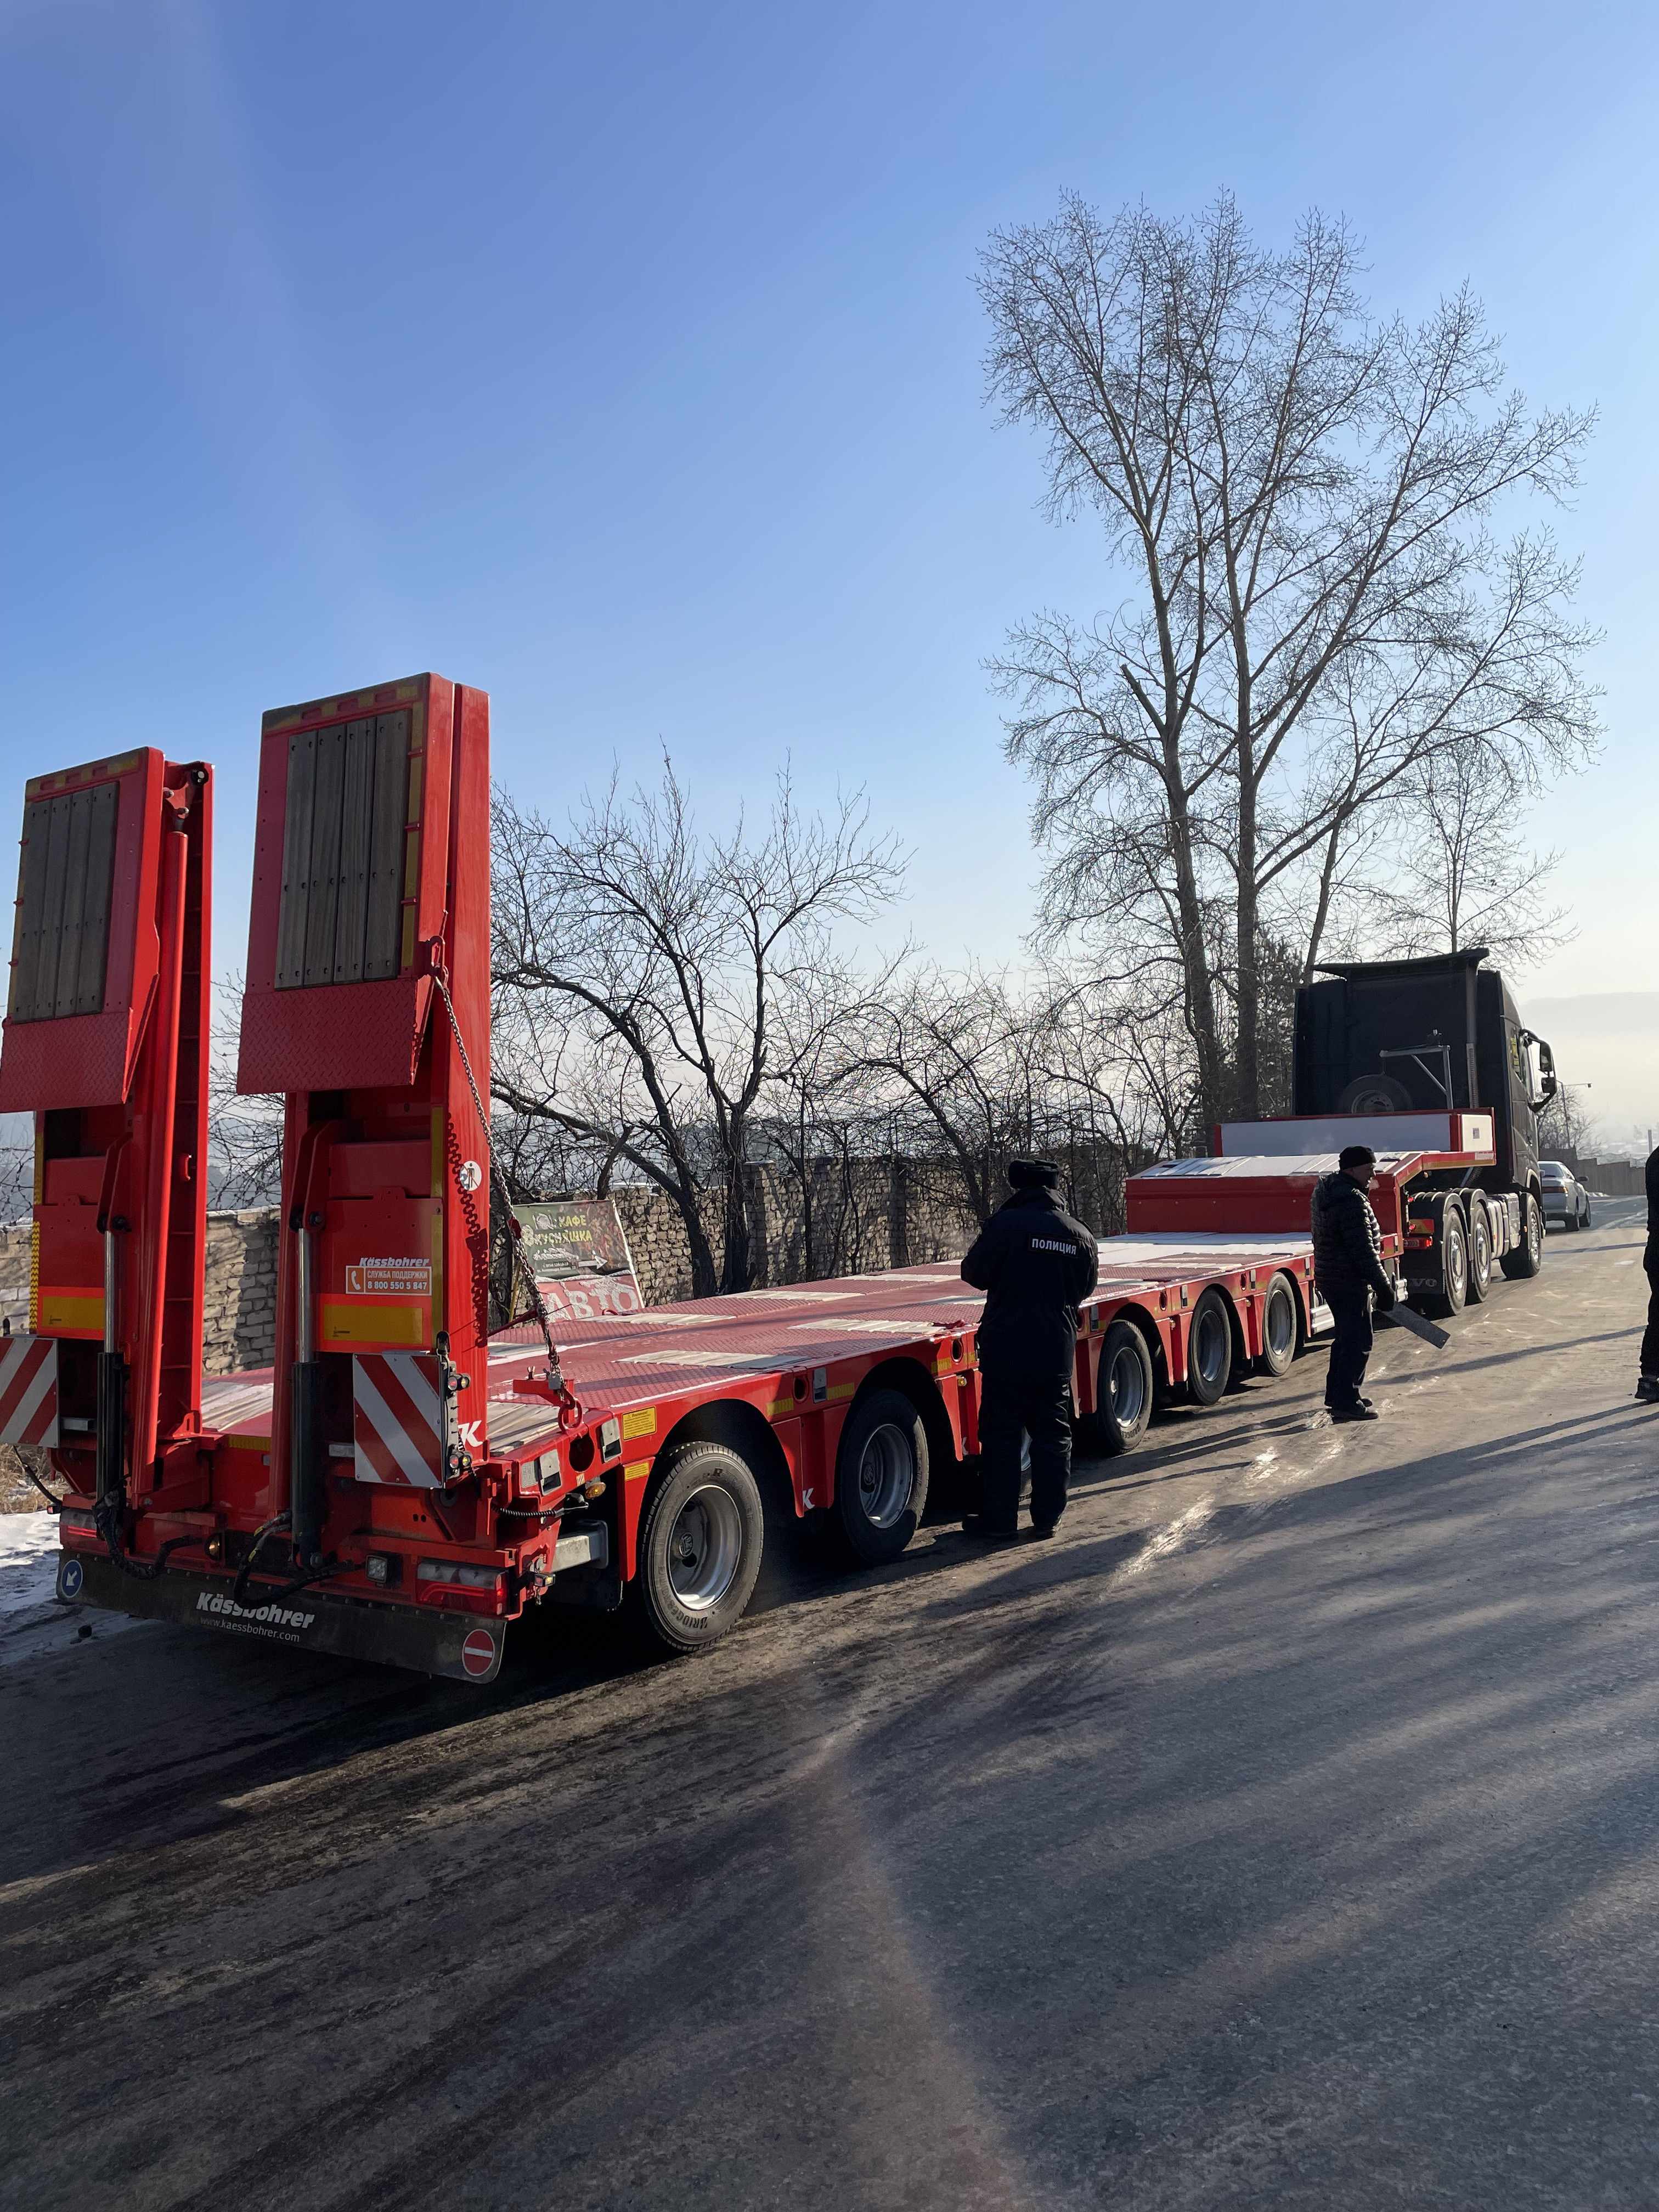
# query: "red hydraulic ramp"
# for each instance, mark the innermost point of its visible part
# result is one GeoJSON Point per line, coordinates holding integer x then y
{"type": "Point", "coordinates": [104, 1045]}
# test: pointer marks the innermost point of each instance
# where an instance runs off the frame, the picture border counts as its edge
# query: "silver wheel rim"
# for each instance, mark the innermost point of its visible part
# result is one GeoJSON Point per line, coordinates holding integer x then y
{"type": "Point", "coordinates": [1482, 1254]}
{"type": "Point", "coordinates": [1126, 1388]}
{"type": "Point", "coordinates": [1534, 1228]}
{"type": "Point", "coordinates": [1458, 1266]}
{"type": "Point", "coordinates": [1281, 1323]}
{"type": "Point", "coordinates": [705, 1548]}
{"type": "Point", "coordinates": [887, 1475]}
{"type": "Point", "coordinates": [1210, 1348]}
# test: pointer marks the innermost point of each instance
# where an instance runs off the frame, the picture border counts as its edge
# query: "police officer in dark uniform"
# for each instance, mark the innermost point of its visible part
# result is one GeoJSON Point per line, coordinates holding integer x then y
{"type": "Point", "coordinates": [1036, 1265]}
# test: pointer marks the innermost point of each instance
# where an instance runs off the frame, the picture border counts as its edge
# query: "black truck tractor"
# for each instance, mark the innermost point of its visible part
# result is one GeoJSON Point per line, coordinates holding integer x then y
{"type": "Point", "coordinates": [1396, 1036]}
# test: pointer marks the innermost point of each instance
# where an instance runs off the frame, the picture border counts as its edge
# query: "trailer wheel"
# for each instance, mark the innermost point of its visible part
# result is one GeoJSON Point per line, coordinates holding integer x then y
{"type": "Point", "coordinates": [1279, 1327]}
{"type": "Point", "coordinates": [1209, 1350]}
{"type": "Point", "coordinates": [1454, 1266]}
{"type": "Point", "coordinates": [1480, 1255]}
{"type": "Point", "coordinates": [881, 1476]}
{"type": "Point", "coordinates": [1528, 1255]}
{"type": "Point", "coordinates": [700, 1546]}
{"type": "Point", "coordinates": [1124, 1391]}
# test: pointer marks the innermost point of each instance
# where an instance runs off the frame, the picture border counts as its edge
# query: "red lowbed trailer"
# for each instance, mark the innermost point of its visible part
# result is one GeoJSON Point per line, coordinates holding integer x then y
{"type": "Point", "coordinates": [399, 1486]}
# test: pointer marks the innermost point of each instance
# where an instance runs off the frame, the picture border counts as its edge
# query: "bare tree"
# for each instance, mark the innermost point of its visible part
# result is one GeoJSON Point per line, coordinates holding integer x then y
{"type": "Point", "coordinates": [819, 1108]}
{"type": "Point", "coordinates": [954, 1056]}
{"type": "Point", "coordinates": [639, 971]}
{"type": "Point", "coordinates": [245, 1134]}
{"type": "Point", "coordinates": [1566, 1124]}
{"type": "Point", "coordinates": [16, 1167]}
{"type": "Point", "coordinates": [1460, 871]}
{"type": "Point", "coordinates": [1301, 501]}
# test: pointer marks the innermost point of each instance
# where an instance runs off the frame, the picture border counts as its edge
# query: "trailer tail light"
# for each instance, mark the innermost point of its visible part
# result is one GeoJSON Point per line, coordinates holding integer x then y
{"type": "Point", "coordinates": [465, 1589]}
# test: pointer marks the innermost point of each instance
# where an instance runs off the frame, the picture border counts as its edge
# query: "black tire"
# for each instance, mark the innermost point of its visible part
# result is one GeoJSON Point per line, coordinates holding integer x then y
{"type": "Point", "coordinates": [701, 1542]}
{"type": "Point", "coordinates": [1528, 1255]}
{"type": "Point", "coordinates": [1480, 1255]}
{"type": "Point", "coordinates": [1374, 1094]}
{"type": "Point", "coordinates": [1453, 1290]}
{"type": "Point", "coordinates": [881, 1476]}
{"type": "Point", "coordinates": [1123, 1388]}
{"type": "Point", "coordinates": [1281, 1326]}
{"type": "Point", "coordinates": [1585, 1223]}
{"type": "Point", "coordinates": [1209, 1350]}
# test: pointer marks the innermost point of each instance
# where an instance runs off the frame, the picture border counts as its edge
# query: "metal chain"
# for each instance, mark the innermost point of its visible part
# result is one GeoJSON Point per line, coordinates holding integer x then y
{"type": "Point", "coordinates": [522, 1268]}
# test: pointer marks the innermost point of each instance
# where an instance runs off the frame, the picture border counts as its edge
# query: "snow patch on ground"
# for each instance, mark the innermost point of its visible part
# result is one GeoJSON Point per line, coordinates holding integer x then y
{"type": "Point", "coordinates": [32, 1623]}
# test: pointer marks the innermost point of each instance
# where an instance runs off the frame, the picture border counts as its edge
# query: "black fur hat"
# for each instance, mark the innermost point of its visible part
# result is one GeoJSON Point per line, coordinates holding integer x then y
{"type": "Point", "coordinates": [1034, 1175]}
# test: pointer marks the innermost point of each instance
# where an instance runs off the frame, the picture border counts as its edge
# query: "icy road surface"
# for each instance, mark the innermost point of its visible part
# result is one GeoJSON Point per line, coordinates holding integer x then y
{"type": "Point", "coordinates": [1283, 1837]}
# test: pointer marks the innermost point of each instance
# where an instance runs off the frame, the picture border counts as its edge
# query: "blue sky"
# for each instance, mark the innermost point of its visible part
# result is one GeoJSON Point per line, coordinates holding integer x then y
{"type": "Point", "coordinates": [625, 361]}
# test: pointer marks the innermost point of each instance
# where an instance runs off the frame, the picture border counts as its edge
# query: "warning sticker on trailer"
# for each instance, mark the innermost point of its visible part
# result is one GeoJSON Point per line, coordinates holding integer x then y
{"type": "Point", "coordinates": [389, 1278]}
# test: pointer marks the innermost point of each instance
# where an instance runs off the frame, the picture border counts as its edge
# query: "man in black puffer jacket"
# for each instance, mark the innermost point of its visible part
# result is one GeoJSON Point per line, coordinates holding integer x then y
{"type": "Point", "coordinates": [1036, 1265]}
{"type": "Point", "coordinates": [1348, 1273]}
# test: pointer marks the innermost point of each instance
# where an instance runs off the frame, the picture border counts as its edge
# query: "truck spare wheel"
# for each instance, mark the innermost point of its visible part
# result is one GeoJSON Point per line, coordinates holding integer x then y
{"type": "Point", "coordinates": [1209, 1349]}
{"type": "Point", "coordinates": [1374, 1094]}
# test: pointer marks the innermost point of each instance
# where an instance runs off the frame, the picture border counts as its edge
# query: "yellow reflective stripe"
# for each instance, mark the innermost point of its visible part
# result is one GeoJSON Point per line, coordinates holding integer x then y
{"type": "Point", "coordinates": [356, 1321]}
{"type": "Point", "coordinates": [70, 1310]}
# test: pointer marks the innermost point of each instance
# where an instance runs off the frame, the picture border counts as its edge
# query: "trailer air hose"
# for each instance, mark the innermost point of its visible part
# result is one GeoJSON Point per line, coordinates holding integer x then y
{"type": "Point", "coordinates": [52, 1497]}
{"type": "Point", "coordinates": [239, 1591]}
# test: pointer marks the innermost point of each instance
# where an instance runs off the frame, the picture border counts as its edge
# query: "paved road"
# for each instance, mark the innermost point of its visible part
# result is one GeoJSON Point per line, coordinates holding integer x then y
{"type": "Point", "coordinates": [1285, 1834]}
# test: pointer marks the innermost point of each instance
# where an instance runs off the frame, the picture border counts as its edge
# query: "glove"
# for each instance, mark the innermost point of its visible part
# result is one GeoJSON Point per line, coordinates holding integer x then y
{"type": "Point", "coordinates": [1386, 1300]}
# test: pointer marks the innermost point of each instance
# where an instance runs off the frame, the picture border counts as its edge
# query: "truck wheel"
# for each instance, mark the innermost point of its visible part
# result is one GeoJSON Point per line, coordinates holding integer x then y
{"type": "Point", "coordinates": [1209, 1350]}
{"type": "Point", "coordinates": [1374, 1094]}
{"type": "Point", "coordinates": [1454, 1266]}
{"type": "Point", "coordinates": [1124, 1387]}
{"type": "Point", "coordinates": [700, 1546]}
{"type": "Point", "coordinates": [1585, 1223]}
{"type": "Point", "coordinates": [1279, 1329]}
{"type": "Point", "coordinates": [1528, 1255]}
{"type": "Point", "coordinates": [1480, 1255]}
{"type": "Point", "coordinates": [881, 1476]}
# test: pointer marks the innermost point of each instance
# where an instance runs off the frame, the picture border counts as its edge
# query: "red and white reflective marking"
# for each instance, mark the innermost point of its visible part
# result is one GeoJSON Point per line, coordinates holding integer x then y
{"type": "Point", "coordinates": [397, 1418]}
{"type": "Point", "coordinates": [28, 1390]}
{"type": "Point", "coordinates": [478, 1652]}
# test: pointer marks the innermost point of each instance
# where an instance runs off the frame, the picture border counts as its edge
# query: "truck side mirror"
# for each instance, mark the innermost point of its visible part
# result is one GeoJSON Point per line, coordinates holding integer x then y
{"type": "Point", "coordinates": [1540, 1065]}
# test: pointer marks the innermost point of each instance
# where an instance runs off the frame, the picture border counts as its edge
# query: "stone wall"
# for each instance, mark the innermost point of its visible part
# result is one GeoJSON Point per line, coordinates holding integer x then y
{"type": "Point", "coordinates": [238, 1289]}
{"type": "Point", "coordinates": [239, 1297]}
{"type": "Point", "coordinates": [873, 1213]}
{"type": "Point", "coordinates": [864, 1215]}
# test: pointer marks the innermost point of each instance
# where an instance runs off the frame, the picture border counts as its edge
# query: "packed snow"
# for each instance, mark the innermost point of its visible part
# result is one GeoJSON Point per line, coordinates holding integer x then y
{"type": "Point", "coordinates": [33, 1623]}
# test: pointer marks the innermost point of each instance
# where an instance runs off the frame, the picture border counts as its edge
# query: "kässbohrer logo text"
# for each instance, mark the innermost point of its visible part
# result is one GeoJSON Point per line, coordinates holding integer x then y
{"type": "Point", "coordinates": [274, 1616]}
